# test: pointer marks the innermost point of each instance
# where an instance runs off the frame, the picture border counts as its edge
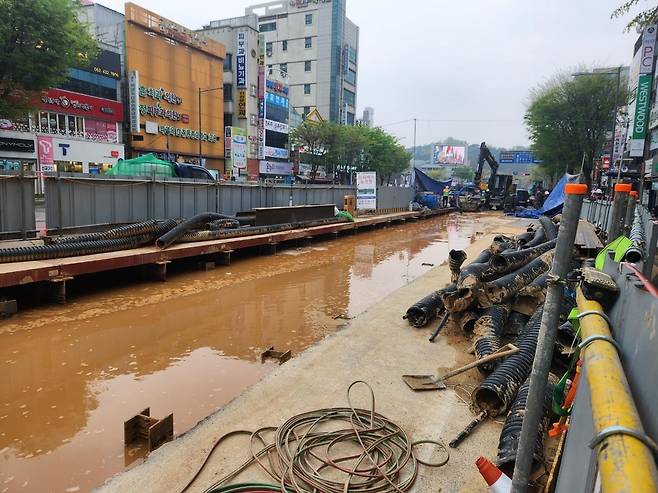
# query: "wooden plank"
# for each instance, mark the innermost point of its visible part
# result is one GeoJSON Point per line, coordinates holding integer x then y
{"type": "Point", "coordinates": [586, 236]}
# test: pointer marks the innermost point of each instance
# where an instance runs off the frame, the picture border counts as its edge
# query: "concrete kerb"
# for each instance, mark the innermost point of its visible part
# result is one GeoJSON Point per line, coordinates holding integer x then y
{"type": "Point", "coordinates": [378, 347]}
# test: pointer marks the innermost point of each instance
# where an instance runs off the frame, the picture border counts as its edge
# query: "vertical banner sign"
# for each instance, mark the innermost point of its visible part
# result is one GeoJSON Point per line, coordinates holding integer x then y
{"type": "Point", "coordinates": [241, 59]}
{"type": "Point", "coordinates": [366, 191]}
{"type": "Point", "coordinates": [239, 150]}
{"type": "Point", "coordinates": [643, 95]}
{"type": "Point", "coordinates": [133, 94]}
{"type": "Point", "coordinates": [46, 153]}
{"type": "Point", "coordinates": [242, 104]}
{"type": "Point", "coordinates": [261, 96]}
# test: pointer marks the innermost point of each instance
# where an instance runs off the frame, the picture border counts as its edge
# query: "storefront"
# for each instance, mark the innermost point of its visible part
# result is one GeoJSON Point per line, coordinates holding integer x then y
{"type": "Point", "coordinates": [17, 151]}
{"type": "Point", "coordinates": [75, 155]}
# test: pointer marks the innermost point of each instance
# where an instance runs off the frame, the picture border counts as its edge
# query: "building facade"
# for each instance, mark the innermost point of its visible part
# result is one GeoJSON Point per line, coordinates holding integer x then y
{"type": "Point", "coordinates": [175, 90]}
{"type": "Point", "coordinates": [240, 36]}
{"type": "Point", "coordinates": [317, 46]}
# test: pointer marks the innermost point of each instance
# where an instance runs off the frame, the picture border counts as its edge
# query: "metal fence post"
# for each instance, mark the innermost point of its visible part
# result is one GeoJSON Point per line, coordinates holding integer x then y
{"type": "Point", "coordinates": [541, 365]}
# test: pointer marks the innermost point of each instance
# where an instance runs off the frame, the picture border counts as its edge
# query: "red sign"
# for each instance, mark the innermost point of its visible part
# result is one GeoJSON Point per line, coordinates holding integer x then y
{"type": "Point", "coordinates": [73, 103]}
{"type": "Point", "coordinates": [45, 152]}
{"type": "Point", "coordinates": [114, 153]}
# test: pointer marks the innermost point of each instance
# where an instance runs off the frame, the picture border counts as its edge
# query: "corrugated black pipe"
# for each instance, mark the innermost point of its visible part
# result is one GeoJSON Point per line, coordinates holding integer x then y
{"type": "Point", "coordinates": [42, 252]}
{"type": "Point", "coordinates": [468, 320]}
{"type": "Point", "coordinates": [537, 288]}
{"type": "Point", "coordinates": [539, 238]}
{"type": "Point", "coordinates": [424, 310]}
{"type": "Point", "coordinates": [168, 238]}
{"type": "Point", "coordinates": [515, 323]}
{"type": "Point", "coordinates": [455, 260]}
{"type": "Point", "coordinates": [512, 260]}
{"type": "Point", "coordinates": [509, 436]}
{"type": "Point", "coordinates": [549, 227]}
{"type": "Point", "coordinates": [126, 231]}
{"type": "Point", "coordinates": [503, 288]}
{"type": "Point", "coordinates": [497, 391]}
{"type": "Point", "coordinates": [489, 328]}
{"type": "Point", "coordinates": [222, 224]}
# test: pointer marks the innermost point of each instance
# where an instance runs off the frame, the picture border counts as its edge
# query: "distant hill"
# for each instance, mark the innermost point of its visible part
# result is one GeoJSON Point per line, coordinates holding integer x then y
{"type": "Point", "coordinates": [424, 152]}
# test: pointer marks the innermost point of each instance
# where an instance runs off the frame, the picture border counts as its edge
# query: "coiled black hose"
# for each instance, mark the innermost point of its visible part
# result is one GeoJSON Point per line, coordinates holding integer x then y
{"type": "Point", "coordinates": [508, 443]}
{"type": "Point", "coordinates": [490, 328]}
{"type": "Point", "coordinates": [425, 309]}
{"type": "Point", "coordinates": [505, 287]}
{"type": "Point", "coordinates": [455, 260]}
{"type": "Point", "coordinates": [127, 231]}
{"type": "Point", "coordinates": [496, 392]}
{"type": "Point", "coordinates": [168, 238]}
{"type": "Point", "coordinates": [538, 239]}
{"type": "Point", "coordinates": [43, 252]}
{"type": "Point", "coordinates": [512, 260]}
{"type": "Point", "coordinates": [549, 227]}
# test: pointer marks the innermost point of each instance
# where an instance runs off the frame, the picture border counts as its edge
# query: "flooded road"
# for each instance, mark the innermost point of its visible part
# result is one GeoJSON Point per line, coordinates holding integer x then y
{"type": "Point", "coordinates": [72, 375]}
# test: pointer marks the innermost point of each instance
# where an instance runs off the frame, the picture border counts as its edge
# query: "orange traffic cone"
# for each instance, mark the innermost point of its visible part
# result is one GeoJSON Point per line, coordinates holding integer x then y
{"type": "Point", "coordinates": [497, 481]}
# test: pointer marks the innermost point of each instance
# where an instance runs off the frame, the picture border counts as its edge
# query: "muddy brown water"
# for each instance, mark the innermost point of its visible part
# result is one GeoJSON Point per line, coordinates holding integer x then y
{"type": "Point", "coordinates": [72, 375]}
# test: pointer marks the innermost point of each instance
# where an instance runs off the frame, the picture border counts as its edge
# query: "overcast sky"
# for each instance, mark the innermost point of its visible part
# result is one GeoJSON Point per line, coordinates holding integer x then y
{"type": "Point", "coordinates": [463, 68]}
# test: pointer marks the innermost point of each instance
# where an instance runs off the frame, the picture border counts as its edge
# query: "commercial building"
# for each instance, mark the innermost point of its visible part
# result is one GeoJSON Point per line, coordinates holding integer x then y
{"type": "Point", "coordinates": [240, 36]}
{"type": "Point", "coordinates": [175, 90]}
{"type": "Point", "coordinates": [317, 46]}
{"type": "Point", "coordinates": [368, 118]}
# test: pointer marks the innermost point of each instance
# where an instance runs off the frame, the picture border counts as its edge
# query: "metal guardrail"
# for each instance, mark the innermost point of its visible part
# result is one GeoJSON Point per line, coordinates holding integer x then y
{"type": "Point", "coordinates": [597, 212]}
{"type": "Point", "coordinates": [17, 214]}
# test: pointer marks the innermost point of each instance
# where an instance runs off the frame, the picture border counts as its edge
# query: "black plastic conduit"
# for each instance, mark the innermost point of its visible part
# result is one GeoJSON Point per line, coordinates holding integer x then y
{"type": "Point", "coordinates": [549, 227]}
{"type": "Point", "coordinates": [509, 436]}
{"type": "Point", "coordinates": [539, 238]}
{"type": "Point", "coordinates": [222, 224]}
{"type": "Point", "coordinates": [424, 310]}
{"type": "Point", "coordinates": [515, 323]}
{"type": "Point", "coordinates": [455, 260]}
{"type": "Point", "coordinates": [524, 238]}
{"type": "Point", "coordinates": [489, 327]}
{"type": "Point", "coordinates": [168, 238]}
{"type": "Point", "coordinates": [497, 391]}
{"type": "Point", "coordinates": [127, 231]}
{"type": "Point", "coordinates": [512, 260]}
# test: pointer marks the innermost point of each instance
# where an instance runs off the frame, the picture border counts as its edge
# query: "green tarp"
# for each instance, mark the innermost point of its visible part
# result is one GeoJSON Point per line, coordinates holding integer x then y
{"type": "Point", "coordinates": [146, 165]}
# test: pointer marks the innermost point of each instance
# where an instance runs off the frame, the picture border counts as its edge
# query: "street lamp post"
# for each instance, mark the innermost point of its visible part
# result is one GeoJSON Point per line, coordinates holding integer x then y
{"type": "Point", "coordinates": [199, 113]}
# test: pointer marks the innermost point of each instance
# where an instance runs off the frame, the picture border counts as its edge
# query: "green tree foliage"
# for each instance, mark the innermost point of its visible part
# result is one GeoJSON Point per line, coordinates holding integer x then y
{"type": "Point", "coordinates": [439, 174]}
{"type": "Point", "coordinates": [567, 120]}
{"type": "Point", "coordinates": [641, 20]}
{"type": "Point", "coordinates": [40, 40]}
{"type": "Point", "coordinates": [464, 173]}
{"type": "Point", "coordinates": [343, 149]}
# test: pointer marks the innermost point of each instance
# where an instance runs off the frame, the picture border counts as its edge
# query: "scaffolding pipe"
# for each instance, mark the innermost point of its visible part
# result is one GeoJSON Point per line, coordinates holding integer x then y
{"type": "Point", "coordinates": [625, 462]}
{"type": "Point", "coordinates": [630, 212]}
{"type": "Point", "coordinates": [574, 193]}
{"type": "Point", "coordinates": [616, 226]}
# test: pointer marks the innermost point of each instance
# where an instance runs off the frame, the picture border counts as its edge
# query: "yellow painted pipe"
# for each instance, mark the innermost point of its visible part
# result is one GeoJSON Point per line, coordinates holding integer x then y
{"type": "Point", "coordinates": [626, 464]}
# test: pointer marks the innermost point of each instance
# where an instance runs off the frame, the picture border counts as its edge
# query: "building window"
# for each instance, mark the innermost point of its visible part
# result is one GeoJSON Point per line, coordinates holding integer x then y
{"type": "Point", "coordinates": [307, 88]}
{"type": "Point", "coordinates": [349, 97]}
{"type": "Point", "coordinates": [284, 45]}
{"type": "Point", "coordinates": [307, 110]}
{"type": "Point", "coordinates": [267, 27]}
{"type": "Point", "coordinates": [350, 118]}
{"type": "Point", "coordinates": [228, 92]}
{"type": "Point", "coordinates": [228, 62]}
{"type": "Point", "coordinates": [228, 119]}
{"type": "Point", "coordinates": [307, 66]}
{"type": "Point", "coordinates": [351, 53]}
{"type": "Point", "coordinates": [268, 49]}
{"type": "Point", "coordinates": [308, 42]}
{"type": "Point", "coordinates": [308, 19]}
{"type": "Point", "coordinates": [284, 67]}
{"type": "Point", "coordinates": [350, 76]}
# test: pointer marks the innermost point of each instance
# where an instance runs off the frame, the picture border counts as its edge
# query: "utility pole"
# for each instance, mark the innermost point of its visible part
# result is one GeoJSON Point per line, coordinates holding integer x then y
{"type": "Point", "coordinates": [414, 142]}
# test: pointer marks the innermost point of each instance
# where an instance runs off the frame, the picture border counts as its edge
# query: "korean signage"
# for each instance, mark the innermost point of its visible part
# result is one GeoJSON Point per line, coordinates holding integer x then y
{"type": "Point", "coordinates": [241, 59]}
{"type": "Point", "coordinates": [277, 152]}
{"type": "Point", "coordinates": [300, 4]}
{"type": "Point", "coordinates": [72, 103]}
{"type": "Point", "coordinates": [643, 93]}
{"type": "Point", "coordinates": [261, 96]}
{"type": "Point", "coordinates": [16, 145]}
{"type": "Point", "coordinates": [517, 157]}
{"type": "Point", "coordinates": [366, 191]}
{"type": "Point", "coordinates": [46, 151]}
{"type": "Point", "coordinates": [133, 100]}
{"type": "Point", "coordinates": [275, 168]}
{"type": "Point", "coordinates": [236, 149]}
{"type": "Point", "coordinates": [242, 104]}
{"type": "Point", "coordinates": [276, 126]}
{"type": "Point", "coordinates": [447, 154]}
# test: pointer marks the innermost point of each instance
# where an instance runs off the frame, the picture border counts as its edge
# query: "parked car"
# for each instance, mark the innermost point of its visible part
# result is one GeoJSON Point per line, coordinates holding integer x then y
{"type": "Point", "coordinates": [184, 170]}
{"type": "Point", "coordinates": [522, 197]}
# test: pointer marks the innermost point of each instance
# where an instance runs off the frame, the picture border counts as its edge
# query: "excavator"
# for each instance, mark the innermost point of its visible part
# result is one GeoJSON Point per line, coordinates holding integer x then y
{"type": "Point", "coordinates": [474, 198]}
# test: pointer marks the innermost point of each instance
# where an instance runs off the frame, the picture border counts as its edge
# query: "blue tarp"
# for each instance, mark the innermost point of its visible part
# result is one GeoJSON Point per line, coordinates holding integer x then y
{"type": "Point", "coordinates": [553, 203]}
{"type": "Point", "coordinates": [424, 183]}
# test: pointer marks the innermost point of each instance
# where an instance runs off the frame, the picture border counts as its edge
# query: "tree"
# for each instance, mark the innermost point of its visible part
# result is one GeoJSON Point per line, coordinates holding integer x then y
{"type": "Point", "coordinates": [40, 40]}
{"type": "Point", "coordinates": [567, 120]}
{"type": "Point", "coordinates": [383, 154]}
{"type": "Point", "coordinates": [464, 173]}
{"type": "Point", "coordinates": [641, 20]}
{"type": "Point", "coordinates": [439, 174]}
{"type": "Point", "coordinates": [311, 138]}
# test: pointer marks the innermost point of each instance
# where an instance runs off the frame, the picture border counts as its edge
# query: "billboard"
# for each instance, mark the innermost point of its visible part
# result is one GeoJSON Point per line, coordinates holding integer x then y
{"type": "Point", "coordinates": [447, 154]}
{"type": "Point", "coordinates": [366, 191]}
{"type": "Point", "coordinates": [643, 93]}
{"type": "Point", "coordinates": [517, 157]}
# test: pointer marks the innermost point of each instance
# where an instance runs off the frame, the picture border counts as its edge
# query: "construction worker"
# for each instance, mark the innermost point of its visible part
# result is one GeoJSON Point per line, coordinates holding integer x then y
{"type": "Point", "coordinates": [446, 195]}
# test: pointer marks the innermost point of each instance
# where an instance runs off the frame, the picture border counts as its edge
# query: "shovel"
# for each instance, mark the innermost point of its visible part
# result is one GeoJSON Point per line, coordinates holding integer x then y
{"type": "Point", "coordinates": [431, 382]}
